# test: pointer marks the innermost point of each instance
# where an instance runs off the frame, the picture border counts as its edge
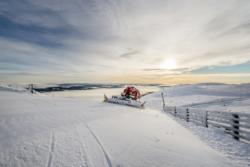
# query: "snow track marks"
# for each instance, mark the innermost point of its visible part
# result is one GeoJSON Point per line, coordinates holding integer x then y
{"type": "Point", "coordinates": [100, 144]}
{"type": "Point", "coordinates": [52, 147]}
{"type": "Point", "coordinates": [84, 159]}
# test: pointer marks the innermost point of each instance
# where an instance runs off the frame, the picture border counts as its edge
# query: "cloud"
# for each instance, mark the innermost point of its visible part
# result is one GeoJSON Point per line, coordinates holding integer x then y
{"type": "Point", "coordinates": [162, 69]}
{"type": "Point", "coordinates": [48, 37]}
{"type": "Point", "coordinates": [231, 21]}
{"type": "Point", "coordinates": [86, 38]}
{"type": "Point", "coordinates": [129, 54]}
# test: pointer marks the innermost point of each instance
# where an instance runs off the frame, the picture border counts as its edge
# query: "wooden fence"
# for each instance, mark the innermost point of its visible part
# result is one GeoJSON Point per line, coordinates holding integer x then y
{"type": "Point", "coordinates": [236, 124]}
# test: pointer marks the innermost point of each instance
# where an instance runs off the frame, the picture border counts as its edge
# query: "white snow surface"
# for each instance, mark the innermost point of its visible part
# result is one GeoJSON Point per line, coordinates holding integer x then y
{"type": "Point", "coordinates": [217, 97]}
{"type": "Point", "coordinates": [60, 129]}
{"type": "Point", "coordinates": [11, 87]}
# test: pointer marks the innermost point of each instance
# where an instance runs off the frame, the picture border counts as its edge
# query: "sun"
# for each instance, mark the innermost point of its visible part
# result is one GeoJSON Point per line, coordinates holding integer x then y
{"type": "Point", "coordinates": [169, 64]}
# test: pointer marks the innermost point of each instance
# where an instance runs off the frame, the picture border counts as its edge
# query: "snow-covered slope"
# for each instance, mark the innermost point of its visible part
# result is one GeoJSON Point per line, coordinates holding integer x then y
{"type": "Point", "coordinates": [220, 97]}
{"type": "Point", "coordinates": [11, 87]}
{"type": "Point", "coordinates": [213, 89]}
{"type": "Point", "coordinates": [213, 97]}
{"type": "Point", "coordinates": [44, 130]}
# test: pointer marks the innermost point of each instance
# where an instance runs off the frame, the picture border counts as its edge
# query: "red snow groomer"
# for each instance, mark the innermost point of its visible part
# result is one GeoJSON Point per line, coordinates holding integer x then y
{"type": "Point", "coordinates": [131, 92]}
{"type": "Point", "coordinates": [130, 97]}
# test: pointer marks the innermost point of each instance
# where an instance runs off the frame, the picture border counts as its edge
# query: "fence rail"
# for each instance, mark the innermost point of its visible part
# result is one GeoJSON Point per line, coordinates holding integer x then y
{"type": "Point", "coordinates": [235, 124]}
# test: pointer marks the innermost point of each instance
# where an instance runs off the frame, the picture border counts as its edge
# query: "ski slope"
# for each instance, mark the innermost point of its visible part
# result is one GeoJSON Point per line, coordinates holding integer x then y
{"type": "Point", "coordinates": [50, 130]}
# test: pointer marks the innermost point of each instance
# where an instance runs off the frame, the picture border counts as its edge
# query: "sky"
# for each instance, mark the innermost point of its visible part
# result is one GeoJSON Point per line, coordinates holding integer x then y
{"type": "Point", "coordinates": [124, 41]}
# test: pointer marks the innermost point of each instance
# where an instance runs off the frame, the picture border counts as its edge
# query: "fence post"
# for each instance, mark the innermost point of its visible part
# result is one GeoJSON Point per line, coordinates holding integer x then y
{"type": "Point", "coordinates": [175, 111]}
{"type": "Point", "coordinates": [235, 126]}
{"type": "Point", "coordinates": [205, 119]}
{"type": "Point", "coordinates": [163, 100]}
{"type": "Point", "coordinates": [187, 115]}
{"type": "Point", "coordinates": [31, 88]}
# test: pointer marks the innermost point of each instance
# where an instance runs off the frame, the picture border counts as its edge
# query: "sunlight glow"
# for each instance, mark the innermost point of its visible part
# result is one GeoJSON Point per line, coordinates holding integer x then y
{"type": "Point", "coordinates": [169, 64]}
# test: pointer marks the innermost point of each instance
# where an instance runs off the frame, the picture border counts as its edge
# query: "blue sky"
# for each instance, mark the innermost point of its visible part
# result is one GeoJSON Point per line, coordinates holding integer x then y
{"type": "Point", "coordinates": [124, 41]}
{"type": "Point", "coordinates": [239, 68]}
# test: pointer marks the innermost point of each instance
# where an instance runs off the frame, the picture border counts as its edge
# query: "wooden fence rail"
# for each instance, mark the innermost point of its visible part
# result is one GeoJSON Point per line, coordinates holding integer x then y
{"type": "Point", "coordinates": [236, 124]}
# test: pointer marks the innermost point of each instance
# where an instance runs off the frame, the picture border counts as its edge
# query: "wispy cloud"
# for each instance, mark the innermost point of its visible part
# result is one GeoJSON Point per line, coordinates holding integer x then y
{"type": "Point", "coordinates": [129, 54]}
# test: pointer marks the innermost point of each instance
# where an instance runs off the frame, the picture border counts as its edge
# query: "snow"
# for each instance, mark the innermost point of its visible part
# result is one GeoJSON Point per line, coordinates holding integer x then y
{"type": "Point", "coordinates": [220, 97]}
{"type": "Point", "coordinates": [217, 139]}
{"type": "Point", "coordinates": [75, 128]}
{"type": "Point", "coordinates": [11, 87]}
